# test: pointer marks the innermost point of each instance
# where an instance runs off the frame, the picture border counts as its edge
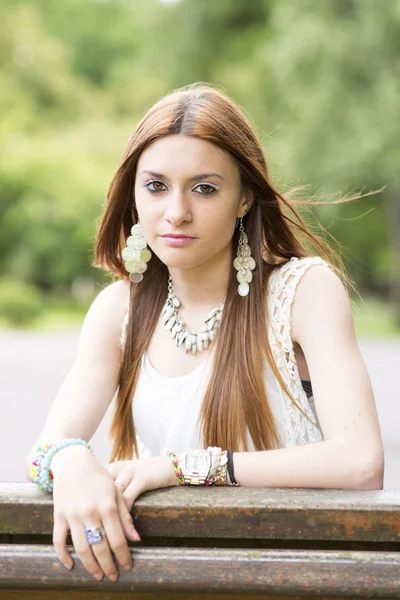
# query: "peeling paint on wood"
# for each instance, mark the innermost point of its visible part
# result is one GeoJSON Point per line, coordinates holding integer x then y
{"type": "Point", "coordinates": [365, 574]}
{"type": "Point", "coordinates": [234, 513]}
{"type": "Point", "coordinates": [217, 543]}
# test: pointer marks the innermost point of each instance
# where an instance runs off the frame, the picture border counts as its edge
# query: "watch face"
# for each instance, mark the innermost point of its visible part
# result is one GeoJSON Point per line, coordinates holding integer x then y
{"type": "Point", "coordinates": [196, 462]}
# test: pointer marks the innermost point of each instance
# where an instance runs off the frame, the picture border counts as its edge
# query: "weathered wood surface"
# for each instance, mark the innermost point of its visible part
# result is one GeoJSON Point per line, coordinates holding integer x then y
{"type": "Point", "coordinates": [217, 543]}
{"type": "Point", "coordinates": [231, 513]}
{"type": "Point", "coordinates": [115, 595]}
{"type": "Point", "coordinates": [208, 570]}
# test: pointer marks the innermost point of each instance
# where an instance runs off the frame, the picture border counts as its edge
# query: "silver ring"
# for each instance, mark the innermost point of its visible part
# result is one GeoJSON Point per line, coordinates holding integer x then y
{"type": "Point", "coordinates": [95, 535]}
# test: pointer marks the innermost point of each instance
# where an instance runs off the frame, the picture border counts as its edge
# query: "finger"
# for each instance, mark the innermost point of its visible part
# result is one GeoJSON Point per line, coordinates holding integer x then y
{"type": "Point", "coordinates": [103, 554]}
{"type": "Point", "coordinates": [131, 493]}
{"type": "Point", "coordinates": [60, 533]}
{"type": "Point", "coordinates": [83, 550]}
{"type": "Point", "coordinates": [121, 486]}
{"type": "Point", "coordinates": [115, 468]}
{"type": "Point", "coordinates": [116, 537]}
{"type": "Point", "coordinates": [112, 470]}
{"type": "Point", "coordinates": [125, 474]}
{"type": "Point", "coordinates": [126, 519]}
{"type": "Point", "coordinates": [124, 478]}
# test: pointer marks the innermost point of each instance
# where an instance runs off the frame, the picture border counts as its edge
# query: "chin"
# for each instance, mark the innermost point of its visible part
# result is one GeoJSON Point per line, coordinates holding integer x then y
{"type": "Point", "coordinates": [173, 261]}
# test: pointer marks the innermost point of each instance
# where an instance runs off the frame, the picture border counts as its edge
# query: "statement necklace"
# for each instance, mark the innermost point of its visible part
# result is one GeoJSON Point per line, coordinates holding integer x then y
{"type": "Point", "coordinates": [194, 342]}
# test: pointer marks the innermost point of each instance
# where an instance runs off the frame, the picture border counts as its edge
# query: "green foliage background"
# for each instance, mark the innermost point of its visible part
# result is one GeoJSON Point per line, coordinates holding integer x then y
{"type": "Point", "coordinates": [321, 81]}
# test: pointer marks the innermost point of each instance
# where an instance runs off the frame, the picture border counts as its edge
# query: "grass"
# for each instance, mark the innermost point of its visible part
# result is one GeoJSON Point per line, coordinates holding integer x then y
{"type": "Point", "coordinates": [375, 318]}
{"type": "Point", "coordinates": [57, 316]}
{"type": "Point", "coordinates": [372, 318]}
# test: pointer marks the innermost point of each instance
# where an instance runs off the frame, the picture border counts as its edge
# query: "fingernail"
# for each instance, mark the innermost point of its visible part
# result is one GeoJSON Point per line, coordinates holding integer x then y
{"type": "Point", "coordinates": [68, 565]}
{"type": "Point", "coordinates": [98, 576]}
{"type": "Point", "coordinates": [136, 536]}
{"type": "Point", "coordinates": [112, 577]}
{"type": "Point", "coordinates": [127, 567]}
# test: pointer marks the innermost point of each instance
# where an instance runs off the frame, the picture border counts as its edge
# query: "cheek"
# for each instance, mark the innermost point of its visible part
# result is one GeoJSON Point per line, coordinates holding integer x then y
{"type": "Point", "coordinates": [145, 213]}
{"type": "Point", "coordinates": [219, 228]}
{"type": "Point", "coordinates": [139, 200]}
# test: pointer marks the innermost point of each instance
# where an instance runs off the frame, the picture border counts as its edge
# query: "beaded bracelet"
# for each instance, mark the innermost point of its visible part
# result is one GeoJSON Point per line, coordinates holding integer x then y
{"type": "Point", "coordinates": [40, 469]}
{"type": "Point", "coordinates": [177, 469]}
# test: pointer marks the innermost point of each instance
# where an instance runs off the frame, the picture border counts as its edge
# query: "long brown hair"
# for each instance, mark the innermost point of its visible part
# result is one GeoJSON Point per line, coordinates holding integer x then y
{"type": "Point", "coordinates": [276, 232]}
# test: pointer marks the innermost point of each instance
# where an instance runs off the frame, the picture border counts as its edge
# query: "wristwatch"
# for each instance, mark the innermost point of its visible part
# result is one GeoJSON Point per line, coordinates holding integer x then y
{"type": "Point", "coordinates": [197, 464]}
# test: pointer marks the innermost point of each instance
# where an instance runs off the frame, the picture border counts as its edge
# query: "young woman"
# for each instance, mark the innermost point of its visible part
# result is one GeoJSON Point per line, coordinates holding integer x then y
{"type": "Point", "coordinates": [229, 329]}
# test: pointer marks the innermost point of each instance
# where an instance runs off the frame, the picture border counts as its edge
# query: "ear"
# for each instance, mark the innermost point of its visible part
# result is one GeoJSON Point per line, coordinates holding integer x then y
{"type": "Point", "coordinates": [246, 202]}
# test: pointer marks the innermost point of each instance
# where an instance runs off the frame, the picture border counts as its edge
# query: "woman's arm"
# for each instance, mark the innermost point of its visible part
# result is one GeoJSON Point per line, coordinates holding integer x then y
{"type": "Point", "coordinates": [89, 387]}
{"type": "Point", "coordinates": [352, 454]}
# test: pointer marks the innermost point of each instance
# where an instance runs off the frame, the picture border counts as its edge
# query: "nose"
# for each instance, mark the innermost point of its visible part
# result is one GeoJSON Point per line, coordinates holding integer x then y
{"type": "Point", "coordinates": [178, 209]}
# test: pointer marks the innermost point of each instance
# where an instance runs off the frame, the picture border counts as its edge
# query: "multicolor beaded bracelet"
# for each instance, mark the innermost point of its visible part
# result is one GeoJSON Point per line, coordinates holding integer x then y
{"type": "Point", "coordinates": [177, 469]}
{"type": "Point", "coordinates": [40, 470]}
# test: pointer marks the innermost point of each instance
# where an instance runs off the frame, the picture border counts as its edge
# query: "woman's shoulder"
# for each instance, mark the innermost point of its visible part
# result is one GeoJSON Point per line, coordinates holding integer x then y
{"type": "Point", "coordinates": [108, 309]}
{"type": "Point", "coordinates": [114, 297]}
{"type": "Point", "coordinates": [287, 275]}
{"type": "Point", "coordinates": [297, 292]}
{"type": "Point", "coordinates": [284, 284]}
{"type": "Point", "coordinates": [321, 298]}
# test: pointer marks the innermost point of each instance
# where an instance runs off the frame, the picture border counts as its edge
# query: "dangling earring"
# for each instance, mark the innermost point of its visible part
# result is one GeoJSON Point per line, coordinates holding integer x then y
{"type": "Point", "coordinates": [136, 254]}
{"type": "Point", "coordinates": [244, 263]}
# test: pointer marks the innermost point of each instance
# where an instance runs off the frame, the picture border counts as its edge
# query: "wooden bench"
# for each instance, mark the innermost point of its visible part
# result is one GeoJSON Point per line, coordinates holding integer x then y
{"type": "Point", "coordinates": [214, 543]}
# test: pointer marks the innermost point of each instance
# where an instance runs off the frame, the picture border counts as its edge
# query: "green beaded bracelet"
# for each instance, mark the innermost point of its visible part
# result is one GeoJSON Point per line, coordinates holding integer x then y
{"type": "Point", "coordinates": [177, 469]}
{"type": "Point", "coordinates": [40, 470]}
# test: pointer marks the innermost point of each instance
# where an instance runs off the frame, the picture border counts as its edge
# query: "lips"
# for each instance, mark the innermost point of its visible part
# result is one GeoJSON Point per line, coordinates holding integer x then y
{"type": "Point", "coordinates": [176, 240]}
{"type": "Point", "coordinates": [178, 236]}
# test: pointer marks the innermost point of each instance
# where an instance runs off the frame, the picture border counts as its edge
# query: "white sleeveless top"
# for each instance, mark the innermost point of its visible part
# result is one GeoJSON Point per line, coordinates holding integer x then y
{"type": "Point", "coordinates": [166, 409]}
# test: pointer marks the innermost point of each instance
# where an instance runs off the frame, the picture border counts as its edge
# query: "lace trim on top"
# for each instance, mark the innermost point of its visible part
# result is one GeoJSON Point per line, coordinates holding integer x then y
{"type": "Point", "coordinates": [282, 289]}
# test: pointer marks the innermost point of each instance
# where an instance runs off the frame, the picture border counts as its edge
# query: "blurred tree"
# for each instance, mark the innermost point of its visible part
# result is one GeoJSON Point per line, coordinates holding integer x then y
{"type": "Point", "coordinates": [322, 79]}
{"type": "Point", "coordinates": [319, 80]}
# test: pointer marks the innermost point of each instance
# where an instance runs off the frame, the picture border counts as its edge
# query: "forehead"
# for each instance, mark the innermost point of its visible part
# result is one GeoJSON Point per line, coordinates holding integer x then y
{"type": "Point", "coordinates": [185, 155]}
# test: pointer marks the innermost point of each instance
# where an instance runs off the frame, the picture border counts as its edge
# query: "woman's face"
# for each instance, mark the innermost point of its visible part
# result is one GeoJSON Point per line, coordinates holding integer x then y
{"type": "Point", "coordinates": [187, 186]}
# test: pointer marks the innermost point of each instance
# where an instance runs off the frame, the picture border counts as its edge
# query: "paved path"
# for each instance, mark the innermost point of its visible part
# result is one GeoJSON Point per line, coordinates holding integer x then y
{"type": "Point", "coordinates": [33, 365]}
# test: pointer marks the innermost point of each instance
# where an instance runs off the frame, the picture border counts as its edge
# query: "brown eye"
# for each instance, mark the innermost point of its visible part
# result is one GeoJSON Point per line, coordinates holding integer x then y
{"type": "Point", "coordinates": [206, 188]}
{"type": "Point", "coordinates": [154, 184]}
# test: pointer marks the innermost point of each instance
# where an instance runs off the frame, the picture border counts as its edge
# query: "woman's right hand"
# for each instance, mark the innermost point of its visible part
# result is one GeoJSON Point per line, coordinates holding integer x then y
{"type": "Point", "coordinates": [85, 496]}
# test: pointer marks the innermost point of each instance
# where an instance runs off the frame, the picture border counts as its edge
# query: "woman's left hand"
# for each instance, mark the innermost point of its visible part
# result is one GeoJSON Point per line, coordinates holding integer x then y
{"type": "Point", "coordinates": [134, 477]}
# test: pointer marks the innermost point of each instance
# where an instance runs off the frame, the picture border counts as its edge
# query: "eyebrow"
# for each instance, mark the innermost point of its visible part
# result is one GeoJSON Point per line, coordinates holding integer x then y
{"type": "Point", "coordinates": [198, 176]}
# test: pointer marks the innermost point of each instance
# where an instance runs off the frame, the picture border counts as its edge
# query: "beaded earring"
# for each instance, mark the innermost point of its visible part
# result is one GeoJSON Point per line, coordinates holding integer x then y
{"type": "Point", "coordinates": [136, 254]}
{"type": "Point", "coordinates": [244, 263]}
